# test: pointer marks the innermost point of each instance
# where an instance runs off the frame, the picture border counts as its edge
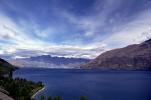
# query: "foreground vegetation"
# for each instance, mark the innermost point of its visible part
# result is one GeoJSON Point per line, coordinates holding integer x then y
{"type": "Point", "coordinates": [20, 89]}
{"type": "Point", "coordinates": [58, 98]}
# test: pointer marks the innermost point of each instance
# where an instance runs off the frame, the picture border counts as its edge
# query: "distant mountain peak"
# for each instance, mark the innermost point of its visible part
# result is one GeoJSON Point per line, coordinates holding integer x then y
{"type": "Point", "coordinates": [50, 62]}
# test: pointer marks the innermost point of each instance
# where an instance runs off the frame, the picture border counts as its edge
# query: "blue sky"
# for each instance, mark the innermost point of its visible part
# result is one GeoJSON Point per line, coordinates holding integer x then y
{"type": "Point", "coordinates": [71, 28]}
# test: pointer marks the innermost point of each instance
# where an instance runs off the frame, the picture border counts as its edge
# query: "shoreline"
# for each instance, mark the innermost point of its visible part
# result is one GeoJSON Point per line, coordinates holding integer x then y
{"type": "Point", "coordinates": [38, 91]}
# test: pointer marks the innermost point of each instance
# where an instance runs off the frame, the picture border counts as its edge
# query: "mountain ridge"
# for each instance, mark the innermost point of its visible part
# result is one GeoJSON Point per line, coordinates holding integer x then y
{"type": "Point", "coordinates": [6, 67]}
{"type": "Point", "coordinates": [132, 57]}
{"type": "Point", "coordinates": [49, 62]}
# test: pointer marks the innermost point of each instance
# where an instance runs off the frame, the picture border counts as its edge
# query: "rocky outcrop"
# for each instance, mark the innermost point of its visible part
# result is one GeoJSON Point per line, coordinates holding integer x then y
{"type": "Point", "coordinates": [132, 57]}
{"type": "Point", "coordinates": [5, 96]}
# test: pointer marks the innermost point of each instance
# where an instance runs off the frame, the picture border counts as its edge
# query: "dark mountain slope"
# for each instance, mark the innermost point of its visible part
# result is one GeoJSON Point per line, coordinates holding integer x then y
{"type": "Point", "coordinates": [5, 67]}
{"type": "Point", "coordinates": [132, 57]}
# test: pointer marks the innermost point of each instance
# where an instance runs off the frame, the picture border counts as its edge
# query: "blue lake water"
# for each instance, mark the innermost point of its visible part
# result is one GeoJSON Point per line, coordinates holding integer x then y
{"type": "Point", "coordinates": [94, 84]}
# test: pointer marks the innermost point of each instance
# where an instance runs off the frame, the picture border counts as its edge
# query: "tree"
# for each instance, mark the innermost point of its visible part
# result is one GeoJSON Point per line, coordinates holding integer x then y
{"type": "Point", "coordinates": [42, 98]}
{"type": "Point", "coordinates": [1, 71]}
{"type": "Point", "coordinates": [10, 73]}
{"type": "Point", "coordinates": [83, 98]}
{"type": "Point", "coordinates": [49, 98]}
{"type": "Point", "coordinates": [57, 98]}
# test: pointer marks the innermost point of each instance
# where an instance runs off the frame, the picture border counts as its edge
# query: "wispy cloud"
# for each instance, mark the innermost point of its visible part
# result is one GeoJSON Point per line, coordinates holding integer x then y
{"type": "Point", "coordinates": [19, 44]}
{"type": "Point", "coordinates": [73, 29]}
{"type": "Point", "coordinates": [135, 31]}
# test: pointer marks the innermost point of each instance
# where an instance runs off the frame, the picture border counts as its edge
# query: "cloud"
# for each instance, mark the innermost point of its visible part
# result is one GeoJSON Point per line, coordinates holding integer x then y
{"type": "Point", "coordinates": [132, 32]}
{"type": "Point", "coordinates": [62, 50]}
{"type": "Point", "coordinates": [62, 30]}
{"type": "Point", "coordinates": [98, 21]}
{"type": "Point", "coordinates": [115, 23]}
{"type": "Point", "coordinates": [108, 17]}
{"type": "Point", "coordinates": [24, 46]}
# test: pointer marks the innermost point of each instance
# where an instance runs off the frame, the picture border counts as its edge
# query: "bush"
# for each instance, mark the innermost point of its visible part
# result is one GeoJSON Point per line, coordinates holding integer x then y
{"type": "Point", "coordinates": [83, 98]}
{"type": "Point", "coordinates": [57, 98]}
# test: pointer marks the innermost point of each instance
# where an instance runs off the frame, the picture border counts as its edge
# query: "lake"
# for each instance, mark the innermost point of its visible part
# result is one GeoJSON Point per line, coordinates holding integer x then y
{"type": "Point", "coordinates": [95, 84]}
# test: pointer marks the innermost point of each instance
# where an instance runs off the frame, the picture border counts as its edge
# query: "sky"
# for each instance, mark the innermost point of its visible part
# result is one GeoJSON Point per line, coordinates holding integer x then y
{"type": "Point", "coordinates": [71, 28]}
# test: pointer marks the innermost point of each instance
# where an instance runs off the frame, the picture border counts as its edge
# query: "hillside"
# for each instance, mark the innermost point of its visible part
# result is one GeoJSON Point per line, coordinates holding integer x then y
{"type": "Point", "coordinates": [5, 64]}
{"type": "Point", "coordinates": [6, 68]}
{"type": "Point", "coordinates": [132, 57]}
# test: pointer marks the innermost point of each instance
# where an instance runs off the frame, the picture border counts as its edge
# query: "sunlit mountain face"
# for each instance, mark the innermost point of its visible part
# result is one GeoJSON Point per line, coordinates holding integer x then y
{"type": "Point", "coordinates": [71, 28]}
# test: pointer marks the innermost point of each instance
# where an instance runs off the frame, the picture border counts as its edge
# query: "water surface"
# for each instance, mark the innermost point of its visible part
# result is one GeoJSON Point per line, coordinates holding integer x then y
{"type": "Point", "coordinates": [94, 84]}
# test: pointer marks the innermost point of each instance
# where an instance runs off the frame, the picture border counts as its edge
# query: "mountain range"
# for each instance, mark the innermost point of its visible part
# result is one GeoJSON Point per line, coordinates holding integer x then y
{"type": "Point", "coordinates": [48, 61]}
{"type": "Point", "coordinates": [132, 57]}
